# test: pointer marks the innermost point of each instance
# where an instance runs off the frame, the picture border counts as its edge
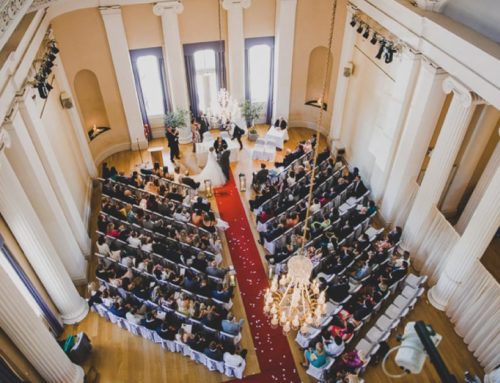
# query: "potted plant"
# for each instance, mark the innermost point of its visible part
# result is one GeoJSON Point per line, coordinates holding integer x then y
{"type": "Point", "coordinates": [176, 119]}
{"type": "Point", "coordinates": [251, 111]}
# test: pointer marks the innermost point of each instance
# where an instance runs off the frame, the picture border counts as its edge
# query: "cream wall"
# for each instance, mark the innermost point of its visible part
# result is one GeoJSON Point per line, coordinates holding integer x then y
{"type": "Point", "coordinates": [83, 43]}
{"type": "Point", "coordinates": [312, 28]}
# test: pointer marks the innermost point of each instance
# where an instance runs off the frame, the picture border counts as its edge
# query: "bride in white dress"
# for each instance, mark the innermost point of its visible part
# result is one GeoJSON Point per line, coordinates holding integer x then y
{"type": "Point", "coordinates": [212, 171]}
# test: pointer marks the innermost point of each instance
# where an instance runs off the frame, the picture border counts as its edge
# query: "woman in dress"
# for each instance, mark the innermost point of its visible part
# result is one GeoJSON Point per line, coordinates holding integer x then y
{"type": "Point", "coordinates": [195, 131]}
{"type": "Point", "coordinates": [212, 171]}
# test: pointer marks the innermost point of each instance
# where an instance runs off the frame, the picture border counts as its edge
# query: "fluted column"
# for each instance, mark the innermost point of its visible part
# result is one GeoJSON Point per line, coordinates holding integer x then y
{"type": "Point", "coordinates": [31, 336]}
{"type": "Point", "coordinates": [21, 218]}
{"type": "Point", "coordinates": [51, 165]}
{"type": "Point", "coordinates": [174, 59]}
{"type": "Point", "coordinates": [482, 185]}
{"type": "Point", "coordinates": [342, 83]}
{"type": "Point", "coordinates": [76, 122]}
{"type": "Point", "coordinates": [236, 45]}
{"type": "Point", "coordinates": [447, 146]}
{"type": "Point", "coordinates": [283, 54]}
{"type": "Point", "coordinates": [423, 114]}
{"type": "Point", "coordinates": [478, 141]}
{"type": "Point", "coordinates": [29, 169]}
{"type": "Point", "coordinates": [389, 132]}
{"type": "Point", "coordinates": [471, 246]}
{"type": "Point", "coordinates": [118, 46]}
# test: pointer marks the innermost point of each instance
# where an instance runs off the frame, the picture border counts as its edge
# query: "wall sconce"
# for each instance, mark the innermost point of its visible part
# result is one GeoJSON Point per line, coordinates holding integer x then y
{"type": "Point", "coordinates": [348, 69]}
{"type": "Point", "coordinates": [208, 188]}
{"type": "Point", "coordinates": [243, 182]}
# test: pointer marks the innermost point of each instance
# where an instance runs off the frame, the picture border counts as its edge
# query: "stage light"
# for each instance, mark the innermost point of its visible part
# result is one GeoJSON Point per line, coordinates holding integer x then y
{"type": "Point", "coordinates": [381, 50]}
{"type": "Point", "coordinates": [367, 33]}
{"type": "Point", "coordinates": [51, 57]}
{"type": "Point", "coordinates": [360, 28]}
{"type": "Point", "coordinates": [353, 22]}
{"type": "Point", "coordinates": [42, 90]}
{"type": "Point", "coordinates": [374, 38]}
{"type": "Point", "coordinates": [53, 47]}
{"type": "Point", "coordinates": [389, 53]}
{"type": "Point", "coordinates": [48, 86]}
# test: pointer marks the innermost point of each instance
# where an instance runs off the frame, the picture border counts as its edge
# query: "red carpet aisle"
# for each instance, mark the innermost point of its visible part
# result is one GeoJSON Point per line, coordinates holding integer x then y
{"type": "Point", "coordinates": [273, 352]}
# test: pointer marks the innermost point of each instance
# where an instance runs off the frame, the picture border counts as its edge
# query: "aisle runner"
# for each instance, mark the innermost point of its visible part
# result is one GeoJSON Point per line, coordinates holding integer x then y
{"type": "Point", "coordinates": [273, 351]}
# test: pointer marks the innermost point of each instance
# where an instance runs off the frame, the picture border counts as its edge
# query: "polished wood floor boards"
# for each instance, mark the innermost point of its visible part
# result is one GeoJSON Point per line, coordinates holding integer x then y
{"type": "Point", "coordinates": [121, 357]}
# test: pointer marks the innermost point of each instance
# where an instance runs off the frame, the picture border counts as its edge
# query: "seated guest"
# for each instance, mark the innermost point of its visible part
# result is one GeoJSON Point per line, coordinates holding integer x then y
{"type": "Point", "coordinates": [133, 317]}
{"type": "Point", "coordinates": [359, 187]}
{"type": "Point", "coordinates": [175, 195]}
{"type": "Point", "coordinates": [280, 123]}
{"type": "Point", "coordinates": [187, 180]}
{"type": "Point", "coordinates": [221, 293]}
{"type": "Point", "coordinates": [150, 321]}
{"type": "Point", "coordinates": [323, 155]}
{"type": "Point", "coordinates": [235, 358]}
{"type": "Point", "coordinates": [261, 176]}
{"type": "Point", "coordinates": [315, 356]}
{"type": "Point", "coordinates": [362, 271]}
{"type": "Point", "coordinates": [214, 351]}
{"type": "Point", "coordinates": [395, 235]}
{"type": "Point", "coordinates": [231, 325]}
{"type": "Point", "coordinates": [201, 205]}
{"type": "Point", "coordinates": [351, 360]}
{"type": "Point", "coordinates": [334, 346]}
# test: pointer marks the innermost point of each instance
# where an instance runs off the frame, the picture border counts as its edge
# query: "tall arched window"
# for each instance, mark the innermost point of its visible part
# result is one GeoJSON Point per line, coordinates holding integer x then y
{"type": "Point", "coordinates": [206, 77]}
{"type": "Point", "coordinates": [259, 62]}
{"type": "Point", "coordinates": [148, 69]}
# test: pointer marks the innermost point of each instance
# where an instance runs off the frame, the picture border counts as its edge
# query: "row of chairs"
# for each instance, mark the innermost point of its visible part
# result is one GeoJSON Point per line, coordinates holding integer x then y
{"type": "Point", "coordinates": [264, 150]}
{"type": "Point", "coordinates": [169, 185]}
{"type": "Point", "coordinates": [174, 346]}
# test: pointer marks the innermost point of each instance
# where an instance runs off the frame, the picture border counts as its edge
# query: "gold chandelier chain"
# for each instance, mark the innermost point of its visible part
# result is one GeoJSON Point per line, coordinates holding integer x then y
{"type": "Point", "coordinates": [320, 121]}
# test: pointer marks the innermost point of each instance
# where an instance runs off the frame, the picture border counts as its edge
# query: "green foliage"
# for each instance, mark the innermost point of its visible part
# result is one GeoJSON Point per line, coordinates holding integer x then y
{"type": "Point", "coordinates": [176, 119]}
{"type": "Point", "coordinates": [251, 111]}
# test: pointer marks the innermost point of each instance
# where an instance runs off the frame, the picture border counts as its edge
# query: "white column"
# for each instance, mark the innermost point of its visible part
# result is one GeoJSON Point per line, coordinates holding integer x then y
{"type": "Point", "coordinates": [471, 246]}
{"type": "Point", "coordinates": [31, 336]}
{"type": "Point", "coordinates": [45, 151]}
{"type": "Point", "coordinates": [21, 218]}
{"type": "Point", "coordinates": [236, 42]}
{"type": "Point", "coordinates": [423, 114]}
{"type": "Point", "coordinates": [283, 54]}
{"type": "Point", "coordinates": [479, 190]}
{"type": "Point", "coordinates": [118, 46]}
{"type": "Point", "coordinates": [389, 132]}
{"type": "Point", "coordinates": [174, 59]}
{"type": "Point", "coordinates": [342, 81]}
{"type": "Point", "coordinates": [76, 122]}
{"type": "Point", "coordinates": [470, 158]}
{"type": "Point", "coordinates": [447, 146]}
{"type": "Point", "coordinates": [28, 166]}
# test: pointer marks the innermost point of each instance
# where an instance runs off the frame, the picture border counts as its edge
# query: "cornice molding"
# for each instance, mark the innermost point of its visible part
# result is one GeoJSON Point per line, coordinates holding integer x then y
{"type": "Point", "coordinates": [168, 7]}
{"type": "Point", "coordinates": [233, 4]}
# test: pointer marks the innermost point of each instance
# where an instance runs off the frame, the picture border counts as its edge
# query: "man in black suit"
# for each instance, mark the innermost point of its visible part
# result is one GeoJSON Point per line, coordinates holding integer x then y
{"type": "Point", "coordinates": [200, 205]}
{"type": "Point", "coordinates": [204, 124]}
{"type": "Point", "coordinates": [172, 135]}
{"type": "Point", "coordinates": [261, 175]}
{"type": "Point", "coordinates": [224, 163]}
{"type": "Point", "coordinates": [238, 133]}
{"type": "Point", "coordinates": [359, 187]}
{"type": "Point", "coordinates": [186, 180]}
{"type": "Point", "coordinates": [281, 123]}
{"type": "Point", "coordinates": [220, 145]}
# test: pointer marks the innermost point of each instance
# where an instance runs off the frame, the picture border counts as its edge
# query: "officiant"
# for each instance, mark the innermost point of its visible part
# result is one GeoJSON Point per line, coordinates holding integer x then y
{"type": "Point", "coordinates": [220, 145]}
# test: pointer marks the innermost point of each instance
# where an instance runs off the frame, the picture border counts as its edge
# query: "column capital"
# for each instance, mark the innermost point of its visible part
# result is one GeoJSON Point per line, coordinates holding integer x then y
{"type": "Point", "coordinates": [110, 9]}
{"type": "Point", "coordinates": [431, 66]}
{"type": "Point", "coordinates": [466, 96]}
{"type": "Point", "coordinates": [5, 141]}
{"type": "Point", "coordinates": [233, 4]}
{"type": "Point", "coordinates": [168, 7]}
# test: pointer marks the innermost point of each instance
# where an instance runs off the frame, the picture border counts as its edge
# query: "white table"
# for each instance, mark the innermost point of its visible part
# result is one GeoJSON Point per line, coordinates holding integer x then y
{"type": "Point", "coordinates": [277, 136]}
{"type": "Point", "coordinates": [202, 148]}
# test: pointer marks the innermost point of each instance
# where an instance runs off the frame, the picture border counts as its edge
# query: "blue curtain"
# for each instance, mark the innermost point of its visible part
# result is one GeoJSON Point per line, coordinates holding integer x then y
{"type": "Point", "coordinates": [249, 43]}
{"type": "Point", "coordinates": [48, 315]}
{"type": "Point", "coordinates": [6, 373]}
{"type": "Point", "coordinates": [134, 55]}
{"type": "Point", "coordinates": [220, 69]}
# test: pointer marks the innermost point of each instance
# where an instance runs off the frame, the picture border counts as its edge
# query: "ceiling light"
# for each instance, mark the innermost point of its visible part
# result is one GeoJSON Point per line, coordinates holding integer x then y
{"type": "Point", "coordinates": [360, 28]}
{"type": "Point", "coordinates": [367, 33]}
{"type": "Point", "coordinates": [381, 50]}
{"type": "Point", "coordinates": [374, 39]}
{"type": "Point", "coordinates": [353, 22]}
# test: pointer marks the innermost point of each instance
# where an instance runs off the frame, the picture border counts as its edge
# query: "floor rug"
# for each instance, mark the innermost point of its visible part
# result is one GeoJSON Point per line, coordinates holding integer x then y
{"type": "Point", "coordinates": [273, 352]}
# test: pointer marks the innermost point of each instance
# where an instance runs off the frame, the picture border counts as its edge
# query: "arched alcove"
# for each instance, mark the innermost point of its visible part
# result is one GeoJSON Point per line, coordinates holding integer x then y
{"type": "Point", "coordinates": [315, 76]}
{"type": "Point", "coordinates": [91, 103]}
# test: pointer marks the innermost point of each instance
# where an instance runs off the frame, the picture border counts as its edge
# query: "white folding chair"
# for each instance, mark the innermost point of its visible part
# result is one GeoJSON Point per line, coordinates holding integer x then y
{"type": "Point", "coordinates": [375, 335]}
{"type": "Point", "coordinates": [303, 340]}
{"type": "Point", "coordinates": [235, 372]}
{"type": "Point", "coordinates": [259, 150]}
{"type": "Point", "coordinates": [214, 365]}
{"type": "Point", "coordinates": [198, 357]}
{"type": "Point", "coordinates": [132, 328]}
{"type": "Point", "coordinates": [386, 324]}
{"type": "Point", "coordinates": [393, 312]}
{"type": "Point", "coordinates": [147, 333]}
{"type": "Point", "coordinates": [318, 373]}
{"type": "Point", "coordinates": [402, 301]}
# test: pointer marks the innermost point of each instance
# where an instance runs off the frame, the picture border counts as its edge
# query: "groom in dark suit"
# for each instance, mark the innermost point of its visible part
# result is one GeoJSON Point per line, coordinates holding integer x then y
{"type": "Point", "coordinates": [224, 162]}
{"type": "Point", "coordinates": [220, 145]}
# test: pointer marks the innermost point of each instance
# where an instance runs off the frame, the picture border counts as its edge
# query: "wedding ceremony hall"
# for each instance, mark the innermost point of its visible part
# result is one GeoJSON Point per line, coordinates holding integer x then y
{"type": "Point", "coordinates": [289, 191]}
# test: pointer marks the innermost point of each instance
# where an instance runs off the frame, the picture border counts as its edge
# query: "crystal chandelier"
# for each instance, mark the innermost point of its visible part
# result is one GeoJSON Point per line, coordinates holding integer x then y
{"type": "Point", "coordinates": [293, 301]}
{"type": "Point", "coordinates": [224, 107]}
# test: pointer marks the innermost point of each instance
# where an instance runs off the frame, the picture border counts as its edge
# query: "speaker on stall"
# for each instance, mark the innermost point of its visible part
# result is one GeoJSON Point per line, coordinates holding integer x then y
{"type": "Point", "coordinates": [66, 101]}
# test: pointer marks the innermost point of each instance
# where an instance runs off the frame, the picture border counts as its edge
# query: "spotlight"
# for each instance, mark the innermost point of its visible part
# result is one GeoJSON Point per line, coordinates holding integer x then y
{"type": "Point", "coordinates": [53, 47]}
{"type": "Point", "coordinates": [389, 53]}
{"type": "Point", "coordinates": [353, 22]}
{"type": "Point", "coordinates": [40, 78]}
{"type": "Point", "coordinates": [381, 50]}
{"type": "Point", "coordinates": [48, 86]}
{"type": "Point", "coordinates": [374, 39]}
{"type": "Point", "coordinates": [48, 64]}
{"type": "Point", "coordinates": [360, 28]}
{"type": "Point", "coordinates": [42, 90]}
{"type": "Point", "coordinates": [51, 57]}
{"type": "Point", "coordinates": [367, 33]}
